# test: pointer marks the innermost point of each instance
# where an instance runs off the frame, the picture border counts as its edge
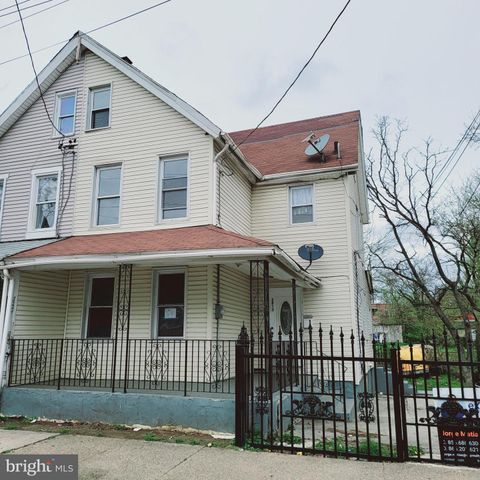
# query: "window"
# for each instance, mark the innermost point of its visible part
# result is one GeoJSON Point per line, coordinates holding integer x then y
{"type": "Point", "coordinates": [107, 201]}
{"type": "Point", "coordinates": [301, 204]}
{"type": "Point", "coordinates": [65, 112]}
{"type": "Point", "coordinates": [170, 304]}
{"type": "Point", "coordinates": [100, 306]}
{"type": "Point", "coordinates": [44, 203]}
{"type": "Point", "coordinates": [99, 107]}
{"type": "Point", "coordinates": [173, 187]}
{"type": "Point", "coordinates": [286, 318]}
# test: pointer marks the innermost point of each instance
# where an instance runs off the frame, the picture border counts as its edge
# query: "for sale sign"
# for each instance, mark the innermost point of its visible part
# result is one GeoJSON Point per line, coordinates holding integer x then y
{"type": "Point", "coordinates": [459, 445]}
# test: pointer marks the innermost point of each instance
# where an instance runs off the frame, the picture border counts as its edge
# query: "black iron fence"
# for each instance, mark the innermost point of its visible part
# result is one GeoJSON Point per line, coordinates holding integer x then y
{"type": "Point", "coordinates": [339, 395]}
{"type": "Point", "coordinates": [200, 366]}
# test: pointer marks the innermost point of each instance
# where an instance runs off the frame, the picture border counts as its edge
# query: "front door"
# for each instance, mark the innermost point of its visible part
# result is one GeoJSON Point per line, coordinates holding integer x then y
{"type": "Point", "coordinates": [281, 315]}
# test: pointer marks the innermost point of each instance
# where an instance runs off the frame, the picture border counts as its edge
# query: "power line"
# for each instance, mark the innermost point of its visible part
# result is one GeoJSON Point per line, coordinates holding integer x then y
{"type": "Point", "coordinates": [35, 70]}
{"type": "Point", "coordinates": [33, 14]}
{"type": "Point", "coordinates": [458, 145]}
{"type": "Point", "coordinates": [470, 198]}
{"type": "Point", "coordinates": [26, 8]}
{"type": "Point", "coordinates": [471, 135]}
{"type": "Point", "coordinates": [298, 75]}
{"type": "Point", "coordinates": [90, 31]}
{"type": "Point", "coordinates": [14, 6]}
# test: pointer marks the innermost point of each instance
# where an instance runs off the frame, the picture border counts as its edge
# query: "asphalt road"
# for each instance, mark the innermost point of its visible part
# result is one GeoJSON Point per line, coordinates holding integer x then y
{"type": "Point", "coordinates": [114, 458]}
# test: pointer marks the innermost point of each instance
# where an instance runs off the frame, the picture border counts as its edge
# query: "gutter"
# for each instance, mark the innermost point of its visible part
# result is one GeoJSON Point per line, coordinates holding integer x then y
{"type": "Point", "coordinates": [312, 174]}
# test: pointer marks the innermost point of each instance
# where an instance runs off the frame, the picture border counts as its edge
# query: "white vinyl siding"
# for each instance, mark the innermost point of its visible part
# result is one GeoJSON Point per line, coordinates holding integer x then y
{"type": "Point", "coordinates": [234, 198]}
{"type": "Point", "coordinates": [142, 130]}
{"type": "Point", "coordinates": [3, 187]}
{"type": "Point", "coordinates": [142, 302]}
{"type": "Point", "coordinates": [41, 305]}
{"type": "Point", "coordinates": [29, 145]}
{"type": "Point", "coordinates": [330, 304]}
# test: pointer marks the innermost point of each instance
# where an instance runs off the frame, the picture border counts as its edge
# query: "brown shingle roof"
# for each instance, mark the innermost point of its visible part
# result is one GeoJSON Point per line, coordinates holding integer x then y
{"type": "Point", "coordinates": [168, 240]}
{"type": "Point", "coordinates": [279, 148]}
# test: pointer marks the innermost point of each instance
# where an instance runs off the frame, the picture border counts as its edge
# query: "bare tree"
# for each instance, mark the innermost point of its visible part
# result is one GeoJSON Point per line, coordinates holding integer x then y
{"type": "Point", "coordinates": [423, 245]}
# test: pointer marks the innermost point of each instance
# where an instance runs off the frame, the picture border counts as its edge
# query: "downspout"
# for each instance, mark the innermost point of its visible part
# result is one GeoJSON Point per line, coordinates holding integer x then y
{"type": "Point", "coordinates": [6, 280]}
{"type": "Point", "coordinates": [217, 177]}
{"type": "Point", "coordinates": [6, 324]}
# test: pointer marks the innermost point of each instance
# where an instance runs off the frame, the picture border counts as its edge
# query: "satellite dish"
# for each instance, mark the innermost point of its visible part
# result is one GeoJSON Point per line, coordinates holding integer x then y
{"type": "Point", "coordinates": [310, 252]}
{"type": "Point", "coordinates": [316, 146]}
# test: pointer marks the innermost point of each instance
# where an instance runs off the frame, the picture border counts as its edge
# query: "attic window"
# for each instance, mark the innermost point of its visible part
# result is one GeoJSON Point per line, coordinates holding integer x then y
{"type": "Point", "coordinates": [65, 112]}
{"type": "Point", "coordinates": [99, 99]}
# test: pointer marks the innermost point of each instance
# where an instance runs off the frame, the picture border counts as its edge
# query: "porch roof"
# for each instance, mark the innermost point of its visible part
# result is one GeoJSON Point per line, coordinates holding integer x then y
{"type": "Point", "coordinates": [205, 244]}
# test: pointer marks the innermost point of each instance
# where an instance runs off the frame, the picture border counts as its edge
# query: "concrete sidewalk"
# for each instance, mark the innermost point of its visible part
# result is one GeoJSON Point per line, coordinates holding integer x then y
{"type": "Point", "coordinates": [113, 458]}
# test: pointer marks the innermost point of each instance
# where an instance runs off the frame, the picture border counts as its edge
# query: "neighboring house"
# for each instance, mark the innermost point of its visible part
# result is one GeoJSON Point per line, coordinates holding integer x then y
{"type": "Point", "coordinates": [162, 239]}
{"type": "Point", "coordinates": [385, 331]}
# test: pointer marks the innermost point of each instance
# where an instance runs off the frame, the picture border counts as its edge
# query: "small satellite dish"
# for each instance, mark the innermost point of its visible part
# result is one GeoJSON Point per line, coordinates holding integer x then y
{"type": "Point", "coordinates": [310, 252]}
{"type": "Point", "coordinates": [316, 146]}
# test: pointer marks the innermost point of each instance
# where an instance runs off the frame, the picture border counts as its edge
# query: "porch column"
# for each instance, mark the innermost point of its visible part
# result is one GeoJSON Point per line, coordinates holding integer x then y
{"type": "Point", "coordinates": [294, 307]}
{"type": "Point", "coordinates": [122, 326]}
{"type": "Point", "coordinates": [259, 299]}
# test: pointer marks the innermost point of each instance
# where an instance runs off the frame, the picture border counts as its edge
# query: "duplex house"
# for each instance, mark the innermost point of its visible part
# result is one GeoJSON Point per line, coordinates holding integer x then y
{"type": "Point", "coordinates": [139, 238]}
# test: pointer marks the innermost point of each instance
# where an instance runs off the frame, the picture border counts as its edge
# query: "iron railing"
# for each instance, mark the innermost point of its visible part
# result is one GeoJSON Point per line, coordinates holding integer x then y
{"type": "Point", "coordinates": [187, 366]}
{"type": "Point", "coordinates": [335, 394]}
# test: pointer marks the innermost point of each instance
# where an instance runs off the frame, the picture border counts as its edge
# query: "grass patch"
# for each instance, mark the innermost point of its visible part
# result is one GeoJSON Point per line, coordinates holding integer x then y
{"type": "Point", "coordinates": [119, 427]}
{"type": "Point", "coordinates": [151, 437]}
{"type": "Point", "coordinates": [64, 431]}
{"type": "Point", "coordinates": [11, 426]}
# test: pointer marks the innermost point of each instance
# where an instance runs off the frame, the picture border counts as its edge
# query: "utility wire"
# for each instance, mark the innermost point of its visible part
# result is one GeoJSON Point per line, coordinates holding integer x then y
{"type": "Point", "coordinates": [471, 135]}
{"type": "Point", "coordinates": [32, 15]}
{"type": "Point", "coordinates": [35, 70]}
{"type": "Point", "coordinates": [89, 31]}
{"type": "Point", "coordinates": [297, 76]}
{"type": "Point", "coordinates": [14, 6]}
{"type": "Point", "coordinates": [458, 145]}
{"type": "Point", "coordinates": [26, 8]}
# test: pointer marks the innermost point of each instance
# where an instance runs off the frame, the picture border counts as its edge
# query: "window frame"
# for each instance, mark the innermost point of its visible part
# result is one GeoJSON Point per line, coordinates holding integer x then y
{"type": "Point", "coordinates": [104, 86]}
{"type": "Point", "coordinates": [161, 168]}
{"type": "Point", "coordinates": [155, 281]}
{"type": "Point", "coordinates": [96, 177]}
{"type": "Point", "coordinates": [291, 206]}
{"type": "Point", "coordinates": [3, 178]}
{"type": "Point", "coordinates": [32, 231]}
{"type": "Point", "coordinates": [58, 97]}
{"type": "Point", "coordinates": [88, 297]}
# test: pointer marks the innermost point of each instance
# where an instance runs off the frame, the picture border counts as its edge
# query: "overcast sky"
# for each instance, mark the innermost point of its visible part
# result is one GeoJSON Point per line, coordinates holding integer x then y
{"type": "Point", "coordinates": [410, 59]}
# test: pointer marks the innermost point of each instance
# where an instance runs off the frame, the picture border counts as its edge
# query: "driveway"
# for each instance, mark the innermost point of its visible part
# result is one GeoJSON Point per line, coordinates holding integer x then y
{"type": "Point", "coordinates": [115, 458]}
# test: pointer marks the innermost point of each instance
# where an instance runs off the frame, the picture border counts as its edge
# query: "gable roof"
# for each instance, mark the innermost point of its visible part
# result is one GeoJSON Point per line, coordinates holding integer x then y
{"type": "Point", "coordinates": [279, 148]}
{"type": "Point", "coordinates": [66, 56]}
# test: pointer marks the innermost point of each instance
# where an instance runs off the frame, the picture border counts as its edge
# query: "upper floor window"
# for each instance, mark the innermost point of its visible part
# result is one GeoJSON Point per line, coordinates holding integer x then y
{"type": "Point", "coordinates": [107, 195]}
{"type": "Point", "coordinates": [173, 187]}
{"type": "Point", "coordinates": [301, 204]}
{"type": "Point", "coordinates": [44, 202]}
{"type": "Point", "coordinates": [99, 99]}
{"type": "Point", "coordinates": [65, 112]}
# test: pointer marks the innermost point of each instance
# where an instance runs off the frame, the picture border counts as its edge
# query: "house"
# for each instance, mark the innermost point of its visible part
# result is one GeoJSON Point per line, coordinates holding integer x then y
{"type": "Point", "coordinates": [160, 237]}
{"type": "Point", "coordinates": [385, 331]}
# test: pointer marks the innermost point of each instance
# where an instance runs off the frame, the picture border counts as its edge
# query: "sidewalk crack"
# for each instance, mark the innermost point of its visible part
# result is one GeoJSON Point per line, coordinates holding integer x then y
{"type": "Point", "coordinates": [182, 461]}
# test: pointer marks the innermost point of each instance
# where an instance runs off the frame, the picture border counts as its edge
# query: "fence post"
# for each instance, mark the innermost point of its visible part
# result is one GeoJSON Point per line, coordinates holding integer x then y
{"type": "Point", "coordinates": [60, 365]}
{"type": "Point", "coordinates": [185, 369]}
{"type": "Point", "coordinates": [12, 356]}
{"type": "Point", "coordinates": [397, 405]}
{"type": "Point", "coordinates": [241, 389]}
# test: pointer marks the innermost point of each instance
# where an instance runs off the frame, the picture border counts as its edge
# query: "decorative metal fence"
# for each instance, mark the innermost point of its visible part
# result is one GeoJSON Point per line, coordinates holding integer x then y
{"type": "Point", "coordinates": [333, 394]}
{"type": "Point", "coordinates": [201, 366]}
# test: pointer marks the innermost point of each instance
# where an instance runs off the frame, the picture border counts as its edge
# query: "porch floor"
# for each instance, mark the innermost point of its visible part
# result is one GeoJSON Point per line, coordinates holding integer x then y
{"type": "Point", "coordinates": [222, 389]}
